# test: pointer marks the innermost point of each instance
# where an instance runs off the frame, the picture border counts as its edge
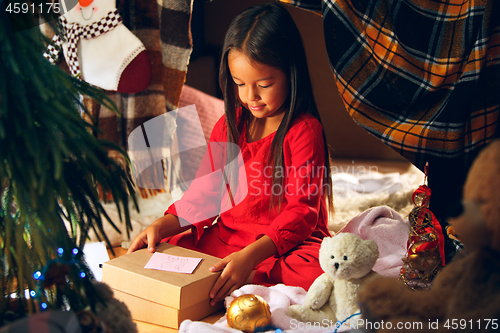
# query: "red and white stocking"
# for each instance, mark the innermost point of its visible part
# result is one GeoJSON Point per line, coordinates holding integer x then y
{"type": "Point", "coordinates": [101, 50]}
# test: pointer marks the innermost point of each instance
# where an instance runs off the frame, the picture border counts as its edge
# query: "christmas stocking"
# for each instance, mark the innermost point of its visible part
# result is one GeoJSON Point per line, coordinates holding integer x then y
{"type": "Point", "coordinates": [100, 49]}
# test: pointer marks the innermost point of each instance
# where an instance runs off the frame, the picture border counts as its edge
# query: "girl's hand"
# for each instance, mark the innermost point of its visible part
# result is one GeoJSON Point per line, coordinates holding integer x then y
{"type": "Point", "coordinates": [165, 226]}
{"type": "Point", "coordinates": [237, 267]}
{"type": "Point", "coordinates": [148, 237]}
{"type": "Point", "coordinates": [236, 271]}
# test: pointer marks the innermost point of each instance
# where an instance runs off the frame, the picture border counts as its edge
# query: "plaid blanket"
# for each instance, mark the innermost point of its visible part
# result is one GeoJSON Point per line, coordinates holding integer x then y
{"type": "Point", "coordinates": [422, 76]}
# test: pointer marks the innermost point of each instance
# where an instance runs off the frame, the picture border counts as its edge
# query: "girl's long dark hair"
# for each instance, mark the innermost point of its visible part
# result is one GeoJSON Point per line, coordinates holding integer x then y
{"type": "Point", "coordinates": [267, 34]}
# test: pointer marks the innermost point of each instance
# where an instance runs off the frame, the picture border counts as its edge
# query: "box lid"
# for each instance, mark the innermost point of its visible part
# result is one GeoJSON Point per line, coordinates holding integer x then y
{"type": "Point", "coordinates": [176, 290]}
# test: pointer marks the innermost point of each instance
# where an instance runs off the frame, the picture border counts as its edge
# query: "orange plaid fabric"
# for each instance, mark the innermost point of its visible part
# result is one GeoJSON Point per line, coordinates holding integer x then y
{"type": "Point", "coordinates": [422, 76]}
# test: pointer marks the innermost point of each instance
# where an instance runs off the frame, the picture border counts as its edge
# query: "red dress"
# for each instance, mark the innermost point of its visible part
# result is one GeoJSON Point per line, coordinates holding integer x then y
{"type": "Point", "coordinates": [296, 228]}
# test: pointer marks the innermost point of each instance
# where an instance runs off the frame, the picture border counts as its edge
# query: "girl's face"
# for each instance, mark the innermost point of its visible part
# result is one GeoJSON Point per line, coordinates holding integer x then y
{"type": "Point", "coordinates": [262, 89]}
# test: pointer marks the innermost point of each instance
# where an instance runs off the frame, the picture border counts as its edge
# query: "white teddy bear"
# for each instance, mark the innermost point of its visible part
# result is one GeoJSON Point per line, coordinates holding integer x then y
{"type": "Point", "coordinates": [347, 261]}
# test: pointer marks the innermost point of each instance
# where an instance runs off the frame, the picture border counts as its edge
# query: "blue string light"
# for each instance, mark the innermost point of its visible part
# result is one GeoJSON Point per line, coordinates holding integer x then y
{"type": "Point", "coordinates": [340, 323]}
{"type": "Point", "coordinates": [39, 275]}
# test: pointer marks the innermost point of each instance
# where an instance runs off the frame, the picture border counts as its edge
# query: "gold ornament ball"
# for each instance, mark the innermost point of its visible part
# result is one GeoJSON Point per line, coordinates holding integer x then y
{"type": "Point", "coordinates": [248, 312]}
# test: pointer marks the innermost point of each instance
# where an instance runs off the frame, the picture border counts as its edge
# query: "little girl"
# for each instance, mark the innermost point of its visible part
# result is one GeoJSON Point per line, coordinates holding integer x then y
{"type": "Point", "coordinates": [273, 234]}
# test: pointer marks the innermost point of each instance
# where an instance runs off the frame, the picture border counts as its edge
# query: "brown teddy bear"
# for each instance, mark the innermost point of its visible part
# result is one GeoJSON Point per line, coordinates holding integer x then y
{"type": "Point", "coordinates": [465, 295]}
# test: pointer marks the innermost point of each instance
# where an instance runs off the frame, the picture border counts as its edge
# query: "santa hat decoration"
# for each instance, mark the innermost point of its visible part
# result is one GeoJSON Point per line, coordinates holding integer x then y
{"type": "Point", "coordinates": [100, 49]}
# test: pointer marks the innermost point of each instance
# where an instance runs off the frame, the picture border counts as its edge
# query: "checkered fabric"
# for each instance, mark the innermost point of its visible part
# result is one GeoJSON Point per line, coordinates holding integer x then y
{"type": "Point", "coordinates": [422, 76]}
{"type": "Point", "coordinates": [53, 50]}
{"type": "Point", "coordinates": [73, 32]}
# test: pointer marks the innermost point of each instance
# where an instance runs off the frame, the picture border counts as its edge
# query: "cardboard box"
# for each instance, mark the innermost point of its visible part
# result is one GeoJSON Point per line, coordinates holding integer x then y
{"type": "Point", "coordinates": [159, 297]}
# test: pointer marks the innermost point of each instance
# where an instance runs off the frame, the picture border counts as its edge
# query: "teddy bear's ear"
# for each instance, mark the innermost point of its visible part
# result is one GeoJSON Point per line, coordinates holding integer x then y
{"type": "Point", "coordinates": [328, 240]}
{"type": "Point", "coordinates": [326, 246]}
{"type": "Point", "coordinates": [370, 244]}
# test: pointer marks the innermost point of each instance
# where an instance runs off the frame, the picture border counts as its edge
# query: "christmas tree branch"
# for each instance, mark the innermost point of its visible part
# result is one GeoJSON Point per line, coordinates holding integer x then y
{"type": "Point", "coordinates": [50, 169]}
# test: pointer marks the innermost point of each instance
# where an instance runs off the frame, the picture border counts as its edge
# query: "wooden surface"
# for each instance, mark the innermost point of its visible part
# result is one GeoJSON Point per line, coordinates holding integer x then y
{"type": "Point", "coordinates": [150, 328]}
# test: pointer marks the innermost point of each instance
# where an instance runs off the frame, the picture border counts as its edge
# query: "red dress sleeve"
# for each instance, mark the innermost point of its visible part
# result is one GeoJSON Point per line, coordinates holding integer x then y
{"type": "Point", "coordinates": [201, 203]}
{"type": "Point", "coordinates": [305, 210]}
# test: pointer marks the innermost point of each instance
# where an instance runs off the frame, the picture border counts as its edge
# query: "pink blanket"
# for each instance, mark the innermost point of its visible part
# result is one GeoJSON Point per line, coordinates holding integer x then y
{"type": "Point", "coordinates": [279, 298]}
{"type": "Point", "coordinates": [389, 230]}
{"type": "Point", "coordinates": [382, 224]}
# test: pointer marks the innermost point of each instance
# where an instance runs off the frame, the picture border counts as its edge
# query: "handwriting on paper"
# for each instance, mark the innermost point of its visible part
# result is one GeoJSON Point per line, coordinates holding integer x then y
{"type": "Point", "coordinates": [169, 263]}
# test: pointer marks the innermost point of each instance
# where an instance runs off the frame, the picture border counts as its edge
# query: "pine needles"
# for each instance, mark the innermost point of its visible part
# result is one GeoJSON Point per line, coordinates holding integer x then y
{"type": "Point", "coordinates": [50, 165]}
